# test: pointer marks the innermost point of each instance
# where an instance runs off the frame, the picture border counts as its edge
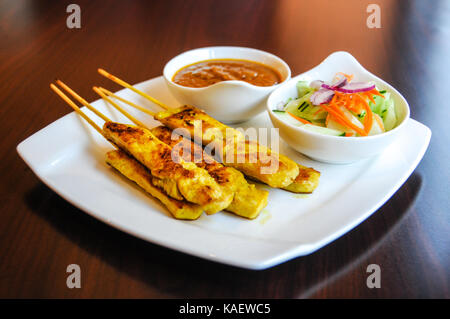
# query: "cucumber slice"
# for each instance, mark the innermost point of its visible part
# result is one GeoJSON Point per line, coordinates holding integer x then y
{"type": "Point", "coordinates": [284, 116]}
{"type": "Point", "coordinates": [323, 130]}
{"type": "Point", "coordinates": [303, 108]}
{"type": "Point", "coordinates": [389, 117]}
{"type": "Point", "coordinates": [333, 125]}
{"type": "Point", "coordinates": [295, 104]}
{"type": "Point", "coordinates": [303, 88]}
{"type": "Point", "coordinates": [380, 103]}
{"type": "Point", "coordinates": [376, 127]}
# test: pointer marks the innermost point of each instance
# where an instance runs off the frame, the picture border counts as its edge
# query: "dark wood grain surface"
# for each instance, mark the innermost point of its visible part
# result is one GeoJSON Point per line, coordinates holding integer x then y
{"type": "Point", "coordinates": [41, 233]}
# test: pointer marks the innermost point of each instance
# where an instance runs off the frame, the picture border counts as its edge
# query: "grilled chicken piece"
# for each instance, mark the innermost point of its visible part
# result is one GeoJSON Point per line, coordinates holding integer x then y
{"type": "Point", "coordinates": [259, 162]}
{"type": "Point", "coordinates": [175, 176]}
{"type": "Point", "coordinates": [306, 181]}
{"type": "Point", "coordinates": [136, 172]}
{"type": "Point", "coordinates": [275, 170]}
{"type": "Point", "coordinates": [248, 201]}
{"type": "Point", "coordinates": [184, 117]}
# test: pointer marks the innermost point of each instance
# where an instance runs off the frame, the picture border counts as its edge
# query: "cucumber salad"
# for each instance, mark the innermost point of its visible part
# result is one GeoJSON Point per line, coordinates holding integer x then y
{"type": "Point", "coordinates": [340, 108]}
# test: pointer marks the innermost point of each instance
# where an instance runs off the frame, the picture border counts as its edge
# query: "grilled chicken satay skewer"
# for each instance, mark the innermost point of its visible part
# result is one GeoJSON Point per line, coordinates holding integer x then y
{"type": "Point", "coordinates": [305, 182]}
{"type": "Point", "coordinates": [248, 201]}
{"type": "Point", "coordinates": [281, 175]}
{"type": "Point", "coordinates": [137, 173]}
{"type": "Point", "coordinates": [289, 175]}
{"type": "Point", "coordinates": [179, 179]}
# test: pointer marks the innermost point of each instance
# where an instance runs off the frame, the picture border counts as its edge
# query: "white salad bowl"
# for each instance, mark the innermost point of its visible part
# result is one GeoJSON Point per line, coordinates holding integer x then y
{"type": "Point", "coordinates": [336, 149]}
{"type": "Point", "coordinates": [227, 101]}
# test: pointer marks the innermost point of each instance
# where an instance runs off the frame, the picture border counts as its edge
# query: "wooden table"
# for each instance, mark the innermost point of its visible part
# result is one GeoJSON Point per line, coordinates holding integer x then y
{"type": "Point", "coordinates": [41, 233]}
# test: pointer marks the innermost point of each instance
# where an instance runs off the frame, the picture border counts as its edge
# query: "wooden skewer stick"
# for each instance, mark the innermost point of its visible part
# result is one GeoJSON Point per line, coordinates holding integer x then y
{"type": "Point", "coordinates": [140, 108]}
{"type": "Point", "coordinates": [119, 108]}
{"type": "Point", "coordinates": [129, 86]}
{"type": "Point", "coordinates": [75, 108]}
{"type": "Point", "coordinates": [82, 101]}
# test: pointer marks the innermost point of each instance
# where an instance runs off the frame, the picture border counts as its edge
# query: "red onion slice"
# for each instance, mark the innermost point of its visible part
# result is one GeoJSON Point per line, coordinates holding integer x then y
{"type": "Point", "coordinates": [321, 96]}
{"type": "Point", "coordinates": [340, 83]}
{"type": "Point", "coordinates": [328, 87]}
{"type": "Point", "coordinates": [356, 87]}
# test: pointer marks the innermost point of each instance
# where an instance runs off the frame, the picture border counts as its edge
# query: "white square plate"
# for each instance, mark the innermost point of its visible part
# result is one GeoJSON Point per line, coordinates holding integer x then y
{"type": "Point", "coordinates": [68, 156]}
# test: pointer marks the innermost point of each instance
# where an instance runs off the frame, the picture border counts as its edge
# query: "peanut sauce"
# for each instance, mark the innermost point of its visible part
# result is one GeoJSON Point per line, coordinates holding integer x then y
{"type": "Point", "coordinates": [206, 73]}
